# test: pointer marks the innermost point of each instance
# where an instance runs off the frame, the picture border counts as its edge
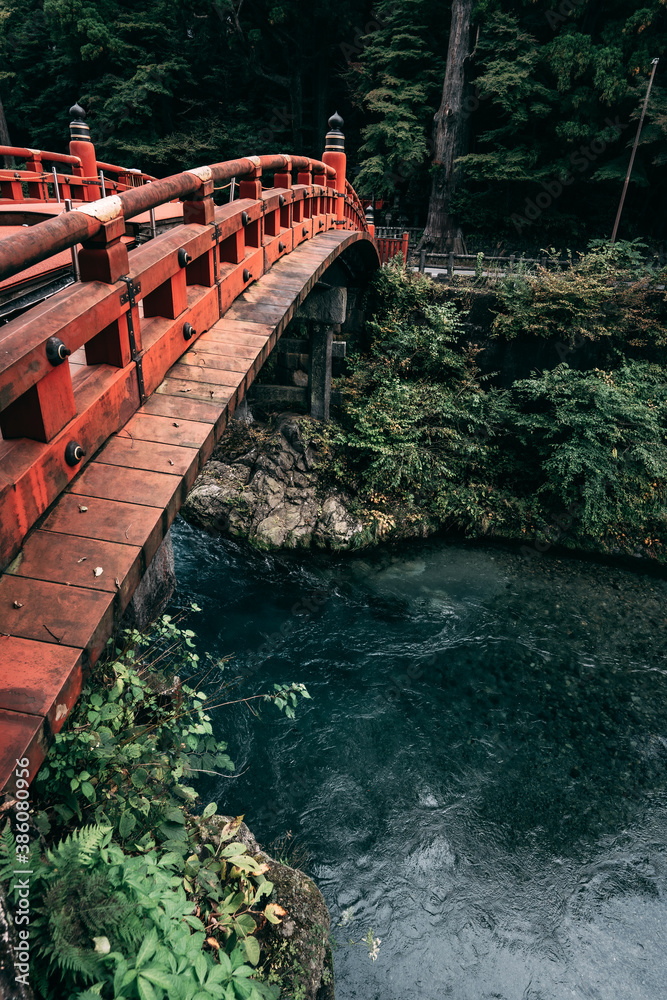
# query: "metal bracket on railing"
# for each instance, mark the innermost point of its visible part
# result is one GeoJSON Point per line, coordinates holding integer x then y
{"type": "Point", "coordinates": [132, 289]}
{"type": "Point", "coordinates": [216, 273]}
{"type": "Point", "coordinates": [129, 296]}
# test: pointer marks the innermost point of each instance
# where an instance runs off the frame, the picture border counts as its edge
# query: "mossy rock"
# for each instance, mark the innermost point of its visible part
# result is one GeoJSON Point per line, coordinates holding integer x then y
{"type": "Point", "coordinates": [296, 952]}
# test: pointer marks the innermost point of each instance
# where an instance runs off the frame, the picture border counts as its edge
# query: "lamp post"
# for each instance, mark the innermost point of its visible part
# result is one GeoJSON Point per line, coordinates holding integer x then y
{"type": "Point", "coordinates": [654, 64]}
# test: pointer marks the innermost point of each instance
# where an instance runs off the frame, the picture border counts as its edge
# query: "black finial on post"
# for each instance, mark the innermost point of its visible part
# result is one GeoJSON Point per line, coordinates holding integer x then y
{"type": "Point", "coordinates": [77, 126]}
{"type": "Point", "coordinates": [335, 140]}
{"type": "Point", "coordinates": [336, 122]}
{"type": "Point", "coordinates": [370, 214]}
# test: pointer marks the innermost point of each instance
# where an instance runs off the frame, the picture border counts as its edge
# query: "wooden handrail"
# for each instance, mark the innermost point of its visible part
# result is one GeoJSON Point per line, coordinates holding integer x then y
{"type": "Point", "coordinates": [65, 231]}
{"type": "Point", "coordinates": [23, 153]}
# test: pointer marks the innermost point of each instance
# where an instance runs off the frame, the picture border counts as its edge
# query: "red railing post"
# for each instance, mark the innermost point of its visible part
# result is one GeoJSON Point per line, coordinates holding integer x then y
{"type": "Point", "coordinates": [81, 145]}
{"type": "Point", "coordinates": [251, 186]}
{"type": "Point", "coordinates": [283, 179]}
{"type": "Point", "coordinates": [104, 258]}
{"type": "Point", "coordinates": [199, 208]}
{"type": "Point", "coordinates": [319, 202]}
{"type": "Point", "coordinates": [33, 163]}
{"type": "Point", "coordinates": [334, 155]}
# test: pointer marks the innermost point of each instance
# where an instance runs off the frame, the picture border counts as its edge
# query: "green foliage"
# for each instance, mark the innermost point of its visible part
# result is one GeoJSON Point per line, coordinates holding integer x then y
{"type": "Point", "coordinates": [137, 739]}
{"type": "Point", "coordinates": [396, 80]}
{"type": "Point", "coordinates": [171, 85]}
{"type": "Point", "coordinates": [596, 441]}
{"type": "Point", "coordinates": [140, 736]}
{"type": "Point", "coordinates": [125, 926]}
{"type": "Point", "coordinates": [609, 292]}
{"type": "Point", "coordinates": [425, 439]}
{"type": "Point", "coordinates": [561, 90]}
{"type": "Point", "coordinates": [126, 900]}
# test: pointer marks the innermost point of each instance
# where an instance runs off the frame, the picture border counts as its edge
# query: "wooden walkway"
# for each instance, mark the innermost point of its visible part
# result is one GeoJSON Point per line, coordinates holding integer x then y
{"type": "Point", "coordinates": [57, 609]}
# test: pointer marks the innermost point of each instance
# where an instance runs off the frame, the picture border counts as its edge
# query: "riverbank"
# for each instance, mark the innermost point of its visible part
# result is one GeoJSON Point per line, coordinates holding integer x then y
{"type": "Point", "coordinates": [427, 439]}
{"type": "Point", "coordinates": [133, 887]}
{"type": "Point", "coordinates": [270, 484]}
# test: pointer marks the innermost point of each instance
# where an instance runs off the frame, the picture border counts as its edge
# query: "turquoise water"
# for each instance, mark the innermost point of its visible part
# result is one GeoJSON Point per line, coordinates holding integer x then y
{"type": "Point", "coordinates": [481, 774]}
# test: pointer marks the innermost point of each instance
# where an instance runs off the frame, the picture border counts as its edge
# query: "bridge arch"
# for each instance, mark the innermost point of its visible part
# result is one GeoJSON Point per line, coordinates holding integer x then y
{"type": "Point", "coordinates": [113, 394]}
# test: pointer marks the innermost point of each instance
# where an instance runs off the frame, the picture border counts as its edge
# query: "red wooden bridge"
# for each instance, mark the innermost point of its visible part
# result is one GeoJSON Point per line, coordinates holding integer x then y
{"type": "Point", "coordinates": [115, 389]}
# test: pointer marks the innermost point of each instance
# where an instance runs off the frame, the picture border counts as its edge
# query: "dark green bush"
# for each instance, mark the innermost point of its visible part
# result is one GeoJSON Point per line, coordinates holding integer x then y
{"type": "Point", "coordinates": [422, 435]}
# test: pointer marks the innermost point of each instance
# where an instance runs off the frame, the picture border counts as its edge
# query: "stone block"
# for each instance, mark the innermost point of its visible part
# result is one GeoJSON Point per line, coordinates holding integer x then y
{"type": "Point", "coordinates": [324, 305]}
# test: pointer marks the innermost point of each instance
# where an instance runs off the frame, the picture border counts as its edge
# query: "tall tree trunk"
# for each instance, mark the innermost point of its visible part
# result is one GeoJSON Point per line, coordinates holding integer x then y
{"type": "Point", "coordinates": [451, 132]}
{"type": "Point", "coordinates": [4, 138]}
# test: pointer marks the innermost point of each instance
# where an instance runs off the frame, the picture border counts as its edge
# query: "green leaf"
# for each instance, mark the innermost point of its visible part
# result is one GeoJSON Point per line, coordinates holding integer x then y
{"type": "Point", "coordinates": [246, 924]}
{"type": "Point", "coordinates": [140, 777]}
{"type": "Point", "coordinates": [243, 987]}
{"type": "Point", "coordinates": [251, 948]}
{"type": "Point", "coordinates": [127, 824]}
{"type": "Point", "coordinates": [200, 968]}
{"type": "Point", "coordinates": [210, 810]}
{"type": "Point", "coordinates": [88, 790]}
{"type": "Point", "coordinates": [158, 976]}
{"type": "Point", "coordinates": [222, 972]}
{"type": "Point", "coordinates": [146, 991]}
{"type": "Point", "coordinates": [148, 947]}
{"type": "Point", "coordinates": [175, 816]}
{"type": "Point", "coordinates": [264, 889]}
{"type": "Point", "coordinates": [233, 850]}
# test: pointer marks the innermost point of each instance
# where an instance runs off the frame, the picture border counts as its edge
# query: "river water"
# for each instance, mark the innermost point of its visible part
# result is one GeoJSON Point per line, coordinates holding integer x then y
{"type": "Point", "coordinates": [480, 776]}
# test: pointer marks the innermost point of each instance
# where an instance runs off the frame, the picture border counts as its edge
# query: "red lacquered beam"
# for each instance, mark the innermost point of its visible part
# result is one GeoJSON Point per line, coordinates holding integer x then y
{"type": "Point", "coordinates": [123, 170]}
{"type": "Point", "coordinates": [23, 153]}
{"type": "Point", "coordinates": [24, 249]}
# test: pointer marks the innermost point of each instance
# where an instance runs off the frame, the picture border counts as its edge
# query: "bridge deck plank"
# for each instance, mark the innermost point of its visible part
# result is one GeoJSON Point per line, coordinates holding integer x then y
{"type": "Point", "coordinates": [108, 520]}
{"type": "Point", "coordinates": [209, 373]}
{"type": "Point", "coordinates": [21, 735]}
{"type": "Point", "coordinates": [39, 678]}
{"type": "Point", "coordinates": [223, 349]}
{"type": "Point", "coordinates": [214, 359]}
{"type": "Point", "coordinates": [54, 612]}
{"type": "Point", "coordinates": [113, 482]}
{"type": "Point", "coordinates": [182, 407]}
{"type": "Point", "coordinates": [220, 394]}
{"type": "Point", "coordinates": [73, 560]}
{"type": "Point", "coordinates": [174, 460]}
{"type": "Point", "coordinates": [187, 433]}
{"type": "Point", "coordinates": [241, 337]}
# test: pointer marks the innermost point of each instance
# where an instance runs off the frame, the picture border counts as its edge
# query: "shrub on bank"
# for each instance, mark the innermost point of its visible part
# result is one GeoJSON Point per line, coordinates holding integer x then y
{"type": "Point", "coordinates": [608, 293]}
{"type": "Point", "coordinates": [129, 899]}
{"type": "Point", "coordinates": [423, 435]}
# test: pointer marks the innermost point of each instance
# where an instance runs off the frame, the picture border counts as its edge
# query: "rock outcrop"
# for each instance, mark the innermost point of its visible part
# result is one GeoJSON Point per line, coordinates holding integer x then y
{"type": "Point", "coordinates": [264, 487]}
{"type": "Point", "coordinates": [297, 950]}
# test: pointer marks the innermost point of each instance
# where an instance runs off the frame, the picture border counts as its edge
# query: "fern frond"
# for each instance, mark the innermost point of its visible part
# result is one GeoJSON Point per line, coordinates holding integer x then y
{"type": "Point", "coordinates": [80, 847]}
{"type": "Point", "coordinates": [7, 853]}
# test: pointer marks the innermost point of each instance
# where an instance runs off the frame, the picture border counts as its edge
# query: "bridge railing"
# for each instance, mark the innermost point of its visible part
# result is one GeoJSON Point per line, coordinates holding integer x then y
{"type": "Point", "coordinates": [42, 180]}
{"type": "Point", "coordinates": [390, 246]}
{"type": "Point", "coordinates": [135, 313]}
